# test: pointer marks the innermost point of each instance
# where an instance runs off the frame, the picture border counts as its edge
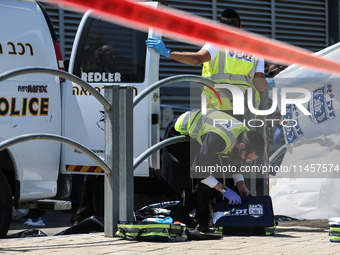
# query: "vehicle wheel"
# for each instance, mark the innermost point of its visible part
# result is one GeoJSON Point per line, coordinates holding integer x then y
{"type": "Point", "coordinates": [5, 205]}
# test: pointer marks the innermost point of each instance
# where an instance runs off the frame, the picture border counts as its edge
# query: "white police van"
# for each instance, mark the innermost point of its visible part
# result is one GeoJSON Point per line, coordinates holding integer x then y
{"type": "Point", "coordinates": [103, 54]}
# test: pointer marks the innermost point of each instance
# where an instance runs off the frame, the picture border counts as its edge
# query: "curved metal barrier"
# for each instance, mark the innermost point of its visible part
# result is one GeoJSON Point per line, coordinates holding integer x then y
{"type": "Point", "coordinates": [112, 200]}
{"type": "Point", "coordinates": [277, 154]}
{"type": "Point", "coordinates": [63, 74]}
{"type": "Point", "coordinates": [118, 190]}
{"type": "Point", "coordinates": [169, 80]}
{"type": "Point", "coordinates": [152, 88]}
{"type": "Point", "coordinates": [158, 146]}
{"type": "Point", "coordinates": [60, 139]}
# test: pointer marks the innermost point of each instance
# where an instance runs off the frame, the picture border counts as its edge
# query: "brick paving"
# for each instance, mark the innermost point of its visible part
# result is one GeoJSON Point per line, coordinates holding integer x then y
{"type": "Point", "coordinates": [294, 237]}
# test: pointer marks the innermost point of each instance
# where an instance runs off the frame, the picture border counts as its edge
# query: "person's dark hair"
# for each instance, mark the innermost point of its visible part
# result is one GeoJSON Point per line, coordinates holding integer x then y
{"type": "Point", "coordinates": [276, 68]}
{"type": "Point", "coordinates": [231, 18]}
{"type": "Point", "coordinates": [253, 140]}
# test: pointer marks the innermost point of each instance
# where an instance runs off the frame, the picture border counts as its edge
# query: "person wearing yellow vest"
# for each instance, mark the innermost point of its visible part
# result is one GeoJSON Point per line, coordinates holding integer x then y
{"type": "Point", "coordinates": [217, 140]}
{"type": "Point", "coordinates": [222, 65]}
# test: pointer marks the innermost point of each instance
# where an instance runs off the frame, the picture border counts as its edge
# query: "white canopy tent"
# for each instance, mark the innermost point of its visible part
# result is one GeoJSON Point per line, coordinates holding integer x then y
{"type": "Point", "coordinates": [308, 184]}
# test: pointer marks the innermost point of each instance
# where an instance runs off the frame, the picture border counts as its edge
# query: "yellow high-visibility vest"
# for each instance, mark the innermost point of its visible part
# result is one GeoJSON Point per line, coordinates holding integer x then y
{"type": "Point", "coordinates": [195, 125]}
{"type": "Point", "coordinates": [232, 68]}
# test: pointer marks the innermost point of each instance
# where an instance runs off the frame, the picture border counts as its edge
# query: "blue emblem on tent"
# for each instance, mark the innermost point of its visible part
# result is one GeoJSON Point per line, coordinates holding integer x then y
{"type": "Point", "coordinates": [292, 128]}
{"type": "Point", "coordinates": [321, 105]}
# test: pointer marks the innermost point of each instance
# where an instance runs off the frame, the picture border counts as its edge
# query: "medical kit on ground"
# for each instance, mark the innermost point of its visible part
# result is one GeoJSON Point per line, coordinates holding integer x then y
{"type": "Point", "coordinates": [254, 216]}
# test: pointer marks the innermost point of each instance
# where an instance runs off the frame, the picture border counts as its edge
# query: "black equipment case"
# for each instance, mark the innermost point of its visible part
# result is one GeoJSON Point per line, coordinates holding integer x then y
{"type": "Point", "coordinates": [254, 216]}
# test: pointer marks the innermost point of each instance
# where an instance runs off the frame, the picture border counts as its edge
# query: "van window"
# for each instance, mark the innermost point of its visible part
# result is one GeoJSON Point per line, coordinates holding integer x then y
{"type": "Point", "coordinates": [110, 53]}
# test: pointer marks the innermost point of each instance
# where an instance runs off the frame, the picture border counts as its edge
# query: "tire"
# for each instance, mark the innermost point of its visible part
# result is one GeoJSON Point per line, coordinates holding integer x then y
{"type": "Point", "coordinates": [5, 205]}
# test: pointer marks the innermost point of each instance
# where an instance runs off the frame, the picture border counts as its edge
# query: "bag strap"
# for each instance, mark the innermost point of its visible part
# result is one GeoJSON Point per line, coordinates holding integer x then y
{"type": "Point", "coordinates": [181, 232]}
{"type": "Point", "coordinates": [168, 231]}
{"type": "Point", "coordinates": [140, 232]}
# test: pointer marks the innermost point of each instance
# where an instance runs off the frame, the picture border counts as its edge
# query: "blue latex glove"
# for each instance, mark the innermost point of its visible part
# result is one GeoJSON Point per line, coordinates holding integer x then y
{"type": "Point", "coordinates": [158, 45]}
{"type": "Point", "coordinates": [277, 135]}
{"type": "Point", "coordinates": [232, 196]}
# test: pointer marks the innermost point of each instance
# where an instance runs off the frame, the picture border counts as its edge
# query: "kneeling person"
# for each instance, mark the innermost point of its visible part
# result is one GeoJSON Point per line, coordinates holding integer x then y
{"type": "Point", "coordinates": [217, 139]}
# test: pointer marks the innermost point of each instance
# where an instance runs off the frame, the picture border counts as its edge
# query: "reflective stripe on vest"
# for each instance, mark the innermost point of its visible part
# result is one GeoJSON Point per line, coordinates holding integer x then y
{"type": "Point", "coordinates": [244, 73]}
{"type": "Point", "coordinates": [196, 125]}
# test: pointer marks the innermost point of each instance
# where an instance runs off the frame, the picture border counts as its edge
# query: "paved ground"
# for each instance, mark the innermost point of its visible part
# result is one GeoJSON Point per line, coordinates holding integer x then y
{"type": "Point", "coordinates": [294, 237]}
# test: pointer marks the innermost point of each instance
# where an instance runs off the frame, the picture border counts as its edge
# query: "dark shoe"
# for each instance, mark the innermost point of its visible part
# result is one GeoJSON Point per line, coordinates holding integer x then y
{"type": "Point", "coordinates": [203, 227]}
{"type": "Point", "coordinates": [186, 219]}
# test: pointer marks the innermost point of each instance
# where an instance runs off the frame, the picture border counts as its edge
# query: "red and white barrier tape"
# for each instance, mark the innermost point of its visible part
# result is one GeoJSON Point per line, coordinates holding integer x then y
{"type": "Point", "coordinates": [197, 30]}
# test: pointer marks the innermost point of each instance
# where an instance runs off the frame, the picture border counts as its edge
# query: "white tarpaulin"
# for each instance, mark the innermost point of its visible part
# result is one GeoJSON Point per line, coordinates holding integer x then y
{"type": "Point", "coordinates": [308, 184]}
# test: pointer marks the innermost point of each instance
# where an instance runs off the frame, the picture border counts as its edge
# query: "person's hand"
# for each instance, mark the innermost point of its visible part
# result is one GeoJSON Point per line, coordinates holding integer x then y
{"type": "Point", "coordinates": [232, 196]}
{"type": "Point", "coordinates": [243, 190]}
{"type": "Point", "coordinates": [277, 135]}
{"type": "Point", "coordinates": [158, 45]}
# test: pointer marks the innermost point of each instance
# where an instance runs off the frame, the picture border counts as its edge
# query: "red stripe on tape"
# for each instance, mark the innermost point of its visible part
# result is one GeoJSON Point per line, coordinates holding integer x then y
{"type": "Point", "coordinates": [198, 30]}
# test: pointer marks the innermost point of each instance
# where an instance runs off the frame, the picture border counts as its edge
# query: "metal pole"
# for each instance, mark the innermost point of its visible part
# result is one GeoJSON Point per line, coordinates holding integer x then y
{"type": "Point", "coordinates": [126, 191]}
{"type": "Point", "coordinates": [111, 182]}
{"type": "Point", "coordinates": [263, 180]}
{"type": "Point", "coordinates": [251, 181]}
